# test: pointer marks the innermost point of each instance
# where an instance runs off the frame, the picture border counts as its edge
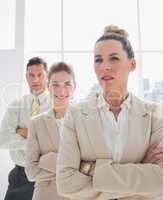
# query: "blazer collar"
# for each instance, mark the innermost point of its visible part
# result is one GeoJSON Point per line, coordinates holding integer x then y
{"type": "Point", "coordinates": [139, 112]}
{"type": "Point", "coordinates": [93, 125]}
{"type": "Point", "coordinates": [138, 126]}
{"type": "Point", "coordinates": [101, 102]}
{"type": "Point", "coordinates": [52, 128]}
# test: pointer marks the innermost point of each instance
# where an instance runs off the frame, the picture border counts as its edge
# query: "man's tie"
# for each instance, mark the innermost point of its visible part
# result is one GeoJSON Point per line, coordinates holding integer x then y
{"type": "Point", "coordinates": [35, 107]}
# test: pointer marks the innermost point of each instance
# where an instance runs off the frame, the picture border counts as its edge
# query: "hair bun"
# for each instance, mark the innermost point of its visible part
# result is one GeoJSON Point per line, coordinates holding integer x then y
{"type": "Point", "coordinates": [115, 29]}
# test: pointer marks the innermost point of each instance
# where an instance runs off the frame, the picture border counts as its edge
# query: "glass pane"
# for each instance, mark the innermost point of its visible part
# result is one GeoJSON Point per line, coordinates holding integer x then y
{"type": "Point", "coordinates": [151, 29]}
{"type": "Point", "coordinates": [84, 73]}
{"type": "Point", "coordinates": [50, 58]}
{"type": "Point", "coordinates": [7, 24]}
{"type": "Point", "coordinates": [43, 25]}
{"type": "Point", "coordinates": [9, 91]}
{"type": "Point", "coordinates": [92, 16]}
{"type": "Point", "coordinates": [133, 83]}
{"type": "Point", "coordinates": [152, 77]}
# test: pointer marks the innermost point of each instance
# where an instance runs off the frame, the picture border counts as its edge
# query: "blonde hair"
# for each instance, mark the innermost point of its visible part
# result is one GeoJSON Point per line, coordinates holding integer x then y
{"type": "Point", "coordinates": [61, 66]}
{"type": "Point", "coordinates": [113, 32]}
{"type": "Point", "coordinates": [116, 30]}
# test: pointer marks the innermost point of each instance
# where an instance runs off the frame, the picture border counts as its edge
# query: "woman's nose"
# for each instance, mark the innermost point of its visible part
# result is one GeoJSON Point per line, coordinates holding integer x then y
{"type": "Point", "coordinates": [107, 66]}
{"type": "Point", "coordinates": [62, 90]}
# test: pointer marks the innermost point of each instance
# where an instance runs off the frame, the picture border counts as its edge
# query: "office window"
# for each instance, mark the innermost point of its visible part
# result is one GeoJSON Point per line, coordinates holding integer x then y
{"type": "Point", "coordinates": [151, 26]}
{"type": "Point", "coordinates": [152, 76]}
{"type": "Point", "coordinates": [7, 24]}
{"type": "Point", "coordinates": [84, 72]}
{"type": "Point", "coordinates": [43, 25]}
{"type": "Point", "coordinates": [152, 48]}
{"type": "Point", "coordinates": [92, 16]}
{"type": "Point", "coordinates": [56, 32]}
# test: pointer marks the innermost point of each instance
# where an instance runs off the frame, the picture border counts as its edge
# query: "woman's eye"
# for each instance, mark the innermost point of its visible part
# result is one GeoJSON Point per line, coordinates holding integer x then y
{"type": "Point", "coordinates": [55, 85]}
{"type": "Point", "coordinates": [98, 60]}
{"type": "Point", "coordinates": [114, 58]}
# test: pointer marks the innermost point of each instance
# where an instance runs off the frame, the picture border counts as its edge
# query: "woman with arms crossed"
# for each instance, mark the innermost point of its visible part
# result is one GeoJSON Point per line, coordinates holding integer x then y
{"type": "Point", "coordinates": [112, 132]}
{"type": "Point", "coordinates": [43, 140]}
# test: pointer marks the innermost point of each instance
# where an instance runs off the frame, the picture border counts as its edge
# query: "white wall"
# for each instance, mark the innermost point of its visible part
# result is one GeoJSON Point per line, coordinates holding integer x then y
{"type": "Point", "coordinates": [11, 74]}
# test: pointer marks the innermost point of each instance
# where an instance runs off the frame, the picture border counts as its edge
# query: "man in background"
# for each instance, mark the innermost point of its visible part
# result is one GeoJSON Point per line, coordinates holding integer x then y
{"type": "Point", "coordinates": [14, 127]}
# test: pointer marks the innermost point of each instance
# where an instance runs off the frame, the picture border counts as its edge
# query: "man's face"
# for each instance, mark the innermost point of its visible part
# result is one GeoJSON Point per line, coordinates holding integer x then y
{"type": "Point", "coordinates": [37, 78]}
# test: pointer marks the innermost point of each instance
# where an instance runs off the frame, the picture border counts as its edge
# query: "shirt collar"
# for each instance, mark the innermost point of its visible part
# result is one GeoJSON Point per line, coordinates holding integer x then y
{"type": "Point", "coordinates": [42, 96]}
{"type": "Point", "coordinates": [102, 103]}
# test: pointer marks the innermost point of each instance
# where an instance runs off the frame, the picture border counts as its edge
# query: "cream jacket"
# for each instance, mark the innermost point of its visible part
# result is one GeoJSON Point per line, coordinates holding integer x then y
{"type": "Point", "coordinates": [82, 139]}
{"type": "Point", "coordinates": [41, 155]}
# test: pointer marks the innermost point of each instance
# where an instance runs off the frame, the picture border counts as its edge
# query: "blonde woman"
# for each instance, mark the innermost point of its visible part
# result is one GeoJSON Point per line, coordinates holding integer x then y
{"type": "Point", "coordinates": [43, 140]}
{"type": "Point", "coordinates": [111, 132]}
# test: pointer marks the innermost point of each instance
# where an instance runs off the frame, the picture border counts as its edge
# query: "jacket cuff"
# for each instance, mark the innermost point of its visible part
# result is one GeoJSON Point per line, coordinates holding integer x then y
{"type": "Point", "coordinates": [100, 163]}
{"type": "Point", "coordinates": [48, 162]}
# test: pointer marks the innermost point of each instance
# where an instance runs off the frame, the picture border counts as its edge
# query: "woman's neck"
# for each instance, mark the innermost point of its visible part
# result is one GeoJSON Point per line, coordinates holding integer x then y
{"type": "Point", "coordinates": [115, 99]}
{"type": "Point", "coordinates": [59, 113]}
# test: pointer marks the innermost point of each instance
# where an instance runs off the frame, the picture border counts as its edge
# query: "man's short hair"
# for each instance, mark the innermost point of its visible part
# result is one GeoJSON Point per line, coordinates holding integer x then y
{"type": "Point", "coordinates": [37, 61]}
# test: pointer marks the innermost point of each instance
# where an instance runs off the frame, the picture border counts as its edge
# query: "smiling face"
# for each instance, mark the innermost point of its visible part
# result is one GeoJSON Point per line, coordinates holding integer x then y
{"type": "Point", "coordinates": [61, 87]}
{"type": "Point", "coordinates": [112, 65]}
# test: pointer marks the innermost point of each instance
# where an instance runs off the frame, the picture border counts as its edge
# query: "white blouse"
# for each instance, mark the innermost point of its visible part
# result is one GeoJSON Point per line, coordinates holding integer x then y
{"type": "Point", "coordinates": [59, 124]}
{"type": "Point", "coordinates": [115, 131]}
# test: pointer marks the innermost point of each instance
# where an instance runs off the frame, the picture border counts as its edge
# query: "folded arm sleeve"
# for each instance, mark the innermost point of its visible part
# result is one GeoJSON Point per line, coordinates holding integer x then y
{"type": "Point", "coordinates": [70, 182]}
{"type": "Point", "coordinates": [9, 139]}
{"type": "Point", "coordinates": [131, 178]}
{"type": "Point", "coordinates": [34, 169]}
{"type": "Point", "coordinates": [48, 162]}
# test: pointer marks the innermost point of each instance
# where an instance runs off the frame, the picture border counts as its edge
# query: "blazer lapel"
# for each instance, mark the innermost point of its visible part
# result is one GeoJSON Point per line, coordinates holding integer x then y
{"type": "Point", "coordinates": [138, 126]}
{"type": "Point", "coordinates": [52, 129]}
{"type": "Point", "coordinates": [92, 122]}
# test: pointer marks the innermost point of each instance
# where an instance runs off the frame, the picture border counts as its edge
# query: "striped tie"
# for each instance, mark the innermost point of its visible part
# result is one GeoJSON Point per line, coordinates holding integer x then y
{"type": "Point", "coordinates": [35, 107]}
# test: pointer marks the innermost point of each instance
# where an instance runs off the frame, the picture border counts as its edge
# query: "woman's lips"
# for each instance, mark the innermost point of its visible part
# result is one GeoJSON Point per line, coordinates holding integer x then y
{"type": "Point", "coordinates": [107, 78]}
{"type": "Point", "coordinates": [61, 98]}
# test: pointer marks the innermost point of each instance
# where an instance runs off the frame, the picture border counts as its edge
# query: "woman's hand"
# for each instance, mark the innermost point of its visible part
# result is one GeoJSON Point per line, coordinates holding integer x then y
{"type": "Point", "coordinates": [154, 154]}
{"type": "Point", "coordinates": [87, 167]}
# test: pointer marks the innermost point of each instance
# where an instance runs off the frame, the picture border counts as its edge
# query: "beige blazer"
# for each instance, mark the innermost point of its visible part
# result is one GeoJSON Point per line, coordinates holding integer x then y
{"type": "Point", "coordinates": [41, 155]}
{"type": "Point", "coordinates": [82, 139]}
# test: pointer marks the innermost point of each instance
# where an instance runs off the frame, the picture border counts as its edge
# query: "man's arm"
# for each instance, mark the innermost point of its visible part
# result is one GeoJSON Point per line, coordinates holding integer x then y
{"type": "Point", "coordinates": [22, 132]}
{"type": "Point", "coordinates": [9, 139]}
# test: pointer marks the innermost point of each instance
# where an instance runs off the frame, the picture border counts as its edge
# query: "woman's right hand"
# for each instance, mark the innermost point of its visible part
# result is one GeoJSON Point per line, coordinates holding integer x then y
{"type": "Point", "coordinates": [91, 170]}
{"type": "Point", "coordinates": [154, 154]}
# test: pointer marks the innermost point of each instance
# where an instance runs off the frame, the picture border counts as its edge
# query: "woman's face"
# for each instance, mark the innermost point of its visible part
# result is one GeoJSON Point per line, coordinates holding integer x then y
{"type": "Point", "coordinates": [112, 65]}
{"type": "Point", "coordinates": [61, 87]}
